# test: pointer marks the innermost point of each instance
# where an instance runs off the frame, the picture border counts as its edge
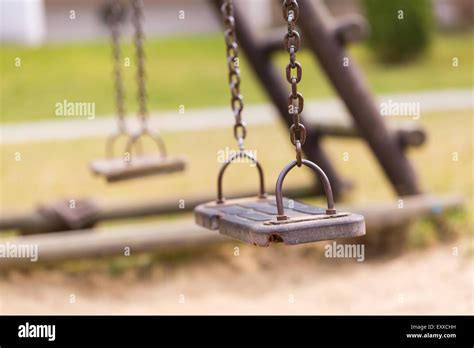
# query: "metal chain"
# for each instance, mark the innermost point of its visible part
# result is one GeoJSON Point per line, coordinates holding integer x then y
{"type": "Point", "coordinates": [139, 38]}
{"type": "Point", "coordinates": [232, 49]}
{"type": "Point", "coordinates": [113, 19]}
{"type": "Point", "coordinates": [295, 99]}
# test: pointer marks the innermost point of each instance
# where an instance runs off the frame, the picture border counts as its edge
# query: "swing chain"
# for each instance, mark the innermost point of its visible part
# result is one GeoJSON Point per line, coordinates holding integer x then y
{"type": "Point", "coordinates": [232, 49]}
{"type": "Point", "coordinates": [295, 99]}
{"type": "Point", "coordinates": [114, 17]}
{"type": "Point", "coordinates": [140, 56]}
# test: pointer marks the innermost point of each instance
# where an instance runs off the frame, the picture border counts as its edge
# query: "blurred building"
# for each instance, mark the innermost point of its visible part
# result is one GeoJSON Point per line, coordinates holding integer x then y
{"type": "Point", "coordinates": [38, 21]}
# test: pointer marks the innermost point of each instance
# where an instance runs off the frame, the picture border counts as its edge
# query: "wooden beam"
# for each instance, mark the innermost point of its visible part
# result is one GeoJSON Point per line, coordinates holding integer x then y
{"type": "Point", "coordinates": [35, 221]}
{"type": "Point", "coordinates": [407, 133]}
{"type": "Point", "coordinates": [347, 29]}
{"type": "Point", "coordinates": [317, 30]}
{"type": "Point", "coordinates": [53, 247]}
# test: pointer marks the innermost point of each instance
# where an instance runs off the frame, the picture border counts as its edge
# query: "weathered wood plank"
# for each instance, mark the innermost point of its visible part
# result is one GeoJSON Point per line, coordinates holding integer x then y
{"type": "Point", "coordinates": [55, 247]}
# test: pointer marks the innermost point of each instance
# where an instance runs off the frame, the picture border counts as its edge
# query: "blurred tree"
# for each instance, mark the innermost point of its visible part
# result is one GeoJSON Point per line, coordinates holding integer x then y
{"type": "Point", "coordinates": [400, 29]}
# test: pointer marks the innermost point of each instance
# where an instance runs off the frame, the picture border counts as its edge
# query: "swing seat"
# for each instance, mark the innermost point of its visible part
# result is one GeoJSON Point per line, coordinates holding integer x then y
{"type": "Point", "coordinates": [254, 220]}
{"type": "Point", "coordinates": [116, 169]}
{"type": "Point", "coordinates": [262, 219]}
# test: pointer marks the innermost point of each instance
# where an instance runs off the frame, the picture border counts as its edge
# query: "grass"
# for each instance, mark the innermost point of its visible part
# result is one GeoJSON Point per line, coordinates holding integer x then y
{"type": "Point", "coordinates": [190, 71]}
{"type": "Point", "coordinates": [53, 170]}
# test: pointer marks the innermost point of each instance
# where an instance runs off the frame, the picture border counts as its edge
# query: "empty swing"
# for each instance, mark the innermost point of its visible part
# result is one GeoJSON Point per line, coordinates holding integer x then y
{"type": "Point", "coordinates": [130, 165]}
{"type": "Point", "coordinates": [263, 219]}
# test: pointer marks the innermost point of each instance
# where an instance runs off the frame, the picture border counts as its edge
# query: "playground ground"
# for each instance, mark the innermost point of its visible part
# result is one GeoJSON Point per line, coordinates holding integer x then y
{"type": "Point", "coordinates": [296, 280]}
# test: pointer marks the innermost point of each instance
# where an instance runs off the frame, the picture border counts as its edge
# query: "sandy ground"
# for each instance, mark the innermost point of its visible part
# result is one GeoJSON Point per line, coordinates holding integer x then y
{"type": "Point", "coordinates": [259, 281]}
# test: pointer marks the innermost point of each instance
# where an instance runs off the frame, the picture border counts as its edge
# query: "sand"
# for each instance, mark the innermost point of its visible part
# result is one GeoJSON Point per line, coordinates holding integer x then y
{"type": "Point", "coordinates": [276, 280]}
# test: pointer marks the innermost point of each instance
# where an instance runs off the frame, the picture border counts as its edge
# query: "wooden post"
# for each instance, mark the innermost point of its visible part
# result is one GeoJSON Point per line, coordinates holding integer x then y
{"type": "Point", "coordinates": [321, 38]}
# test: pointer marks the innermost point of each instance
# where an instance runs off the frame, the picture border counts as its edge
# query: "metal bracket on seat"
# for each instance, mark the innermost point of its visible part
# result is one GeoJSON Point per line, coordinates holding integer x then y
{"type": "Point", "coordinates": [240, 154]}
{"type": "Point", "coordinates": [253, 220]}
{"type": "Point", "coordinates": [262, 219]}
{"type": "Point", "coordinates": [117, 168]}
{"type": "Point", "coordinates": [326, 184]}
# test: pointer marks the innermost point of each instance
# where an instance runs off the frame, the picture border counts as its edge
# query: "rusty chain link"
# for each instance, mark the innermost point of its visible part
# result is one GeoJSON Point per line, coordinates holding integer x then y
{"type": "Point", "coordinates": [295, 99]}
{"type": "Point", "coordinates": [114, 18]}
{"type": "Point", "coordinates": [139, 38]}
{"type": "Point", "coordinates": [232, 49]}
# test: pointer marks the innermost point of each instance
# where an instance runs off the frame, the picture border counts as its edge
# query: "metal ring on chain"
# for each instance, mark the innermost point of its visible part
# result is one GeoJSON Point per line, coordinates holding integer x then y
{"type": "Point", "coordinates": [299, 106]}
{"type": "Point", "coordinates": [288, 6]}
{"type": "Point", "coordinates": [237, 103]}
{"type": "Point", "coordinates": [232, 50]}
{"type": "Point", "coordinates": [240, 132]}
{"type": "Point", "coordinates": [298, 132]}
{"type": "Point", "coordinates": [292, 41]}
{"type": "Point", "coordinates": [299, 72]}
{"type": "Point", "coordinates": [298, 153]}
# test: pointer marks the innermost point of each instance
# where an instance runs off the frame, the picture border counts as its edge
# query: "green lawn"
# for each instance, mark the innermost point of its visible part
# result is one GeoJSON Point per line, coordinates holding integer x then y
{"type": "Point", "coordinates": [191, 72]}
{"type": "Point", "coordinates": [59, 169]}
{"type": "Point", "coordinates": [55, 169]}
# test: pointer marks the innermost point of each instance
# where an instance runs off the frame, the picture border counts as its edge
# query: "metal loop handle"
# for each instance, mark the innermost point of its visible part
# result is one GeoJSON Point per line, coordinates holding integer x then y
{"type": "Point", "coordinates": [110, 143]}
{"type": "Point", "coordinates": [155, 136]}
{"type": "Point", "coordinates": [239, 154]}
{"type": "Point", "coordinates": [324, 179]}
